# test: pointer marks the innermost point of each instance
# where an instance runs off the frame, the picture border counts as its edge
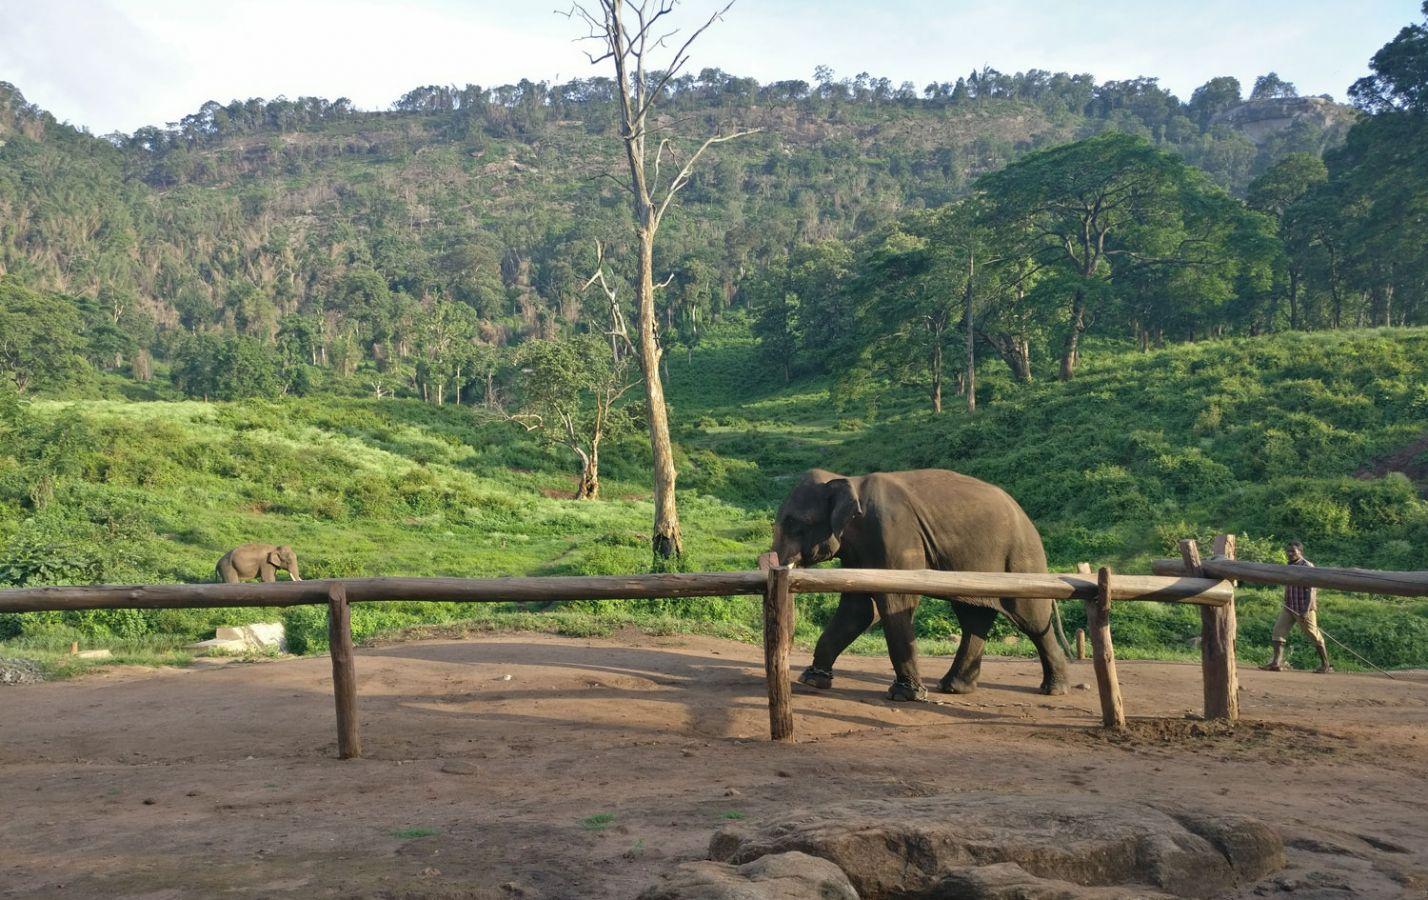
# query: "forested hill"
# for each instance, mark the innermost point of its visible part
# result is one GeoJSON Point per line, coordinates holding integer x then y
{"type": "Point", "coordinates": [243, 214]}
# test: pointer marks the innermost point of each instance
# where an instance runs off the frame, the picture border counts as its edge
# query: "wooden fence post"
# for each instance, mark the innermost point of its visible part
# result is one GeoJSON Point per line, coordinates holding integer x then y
{"type": "Point", "coordinates": [778, 641]}
{"type": "Point", "coordinates": [344, 672]}
{"type": "Point", "coordinates": [1098, 621]}
{"type": "Point", "coordinates": [1217, 649]}
{"type": "Point", "coordinates": [1082, 569]}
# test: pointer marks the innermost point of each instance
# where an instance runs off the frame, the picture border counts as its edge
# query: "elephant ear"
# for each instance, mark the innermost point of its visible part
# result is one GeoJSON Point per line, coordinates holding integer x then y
{"type": "Point", "coordinates": [846, 504]}
{"type": "Point", "coordinates": [275, 557]}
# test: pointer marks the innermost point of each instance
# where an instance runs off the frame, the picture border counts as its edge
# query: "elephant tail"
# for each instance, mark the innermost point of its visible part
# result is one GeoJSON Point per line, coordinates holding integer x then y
{"type": "Point", "coordinates": [1061, 632]}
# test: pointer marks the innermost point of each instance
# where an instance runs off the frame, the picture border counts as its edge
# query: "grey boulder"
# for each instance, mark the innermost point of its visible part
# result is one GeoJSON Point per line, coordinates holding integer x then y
{"type": "Point", "coordinates": [924, 847]}
{"type": "Point", "coordinates": [776, 876]}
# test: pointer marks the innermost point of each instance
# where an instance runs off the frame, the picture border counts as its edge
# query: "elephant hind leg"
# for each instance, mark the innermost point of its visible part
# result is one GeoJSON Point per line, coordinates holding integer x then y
{"type": "Point", "coordinates": [976, 624]}
{"type": "Point", "coordinates": [1034, 618]}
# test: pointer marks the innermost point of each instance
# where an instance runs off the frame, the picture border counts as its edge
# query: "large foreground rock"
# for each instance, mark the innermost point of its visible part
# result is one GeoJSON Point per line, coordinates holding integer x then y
{"type": "Point", "coordinates": [922, 847]}
{"type": "Point", "coordinates": [778, 876]}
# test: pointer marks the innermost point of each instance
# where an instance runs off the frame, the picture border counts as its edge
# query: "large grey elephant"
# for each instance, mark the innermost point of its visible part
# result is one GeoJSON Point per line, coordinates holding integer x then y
{"type": "Point", "coordinates": [257, 561]}
{"type": "Point", "coordinates": [924, 519]}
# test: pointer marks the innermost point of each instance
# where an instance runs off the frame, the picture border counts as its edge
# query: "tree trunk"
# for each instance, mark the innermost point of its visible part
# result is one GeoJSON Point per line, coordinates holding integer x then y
{"type": "Point", "coordinates": [936, 373]}
{"type": "Point", "coordinates": [1071, 351]}
{"type": "Point", "coordinates": [667, 541]}
{"type": "Point", "coordinates": [1293, 299]}
{"type": "Point", "coordinates": [589, 487]}
{"type": "Point", "coordinates": [971, 342]}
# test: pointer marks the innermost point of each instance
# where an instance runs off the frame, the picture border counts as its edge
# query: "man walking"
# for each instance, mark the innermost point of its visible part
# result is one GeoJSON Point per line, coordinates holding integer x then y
{"type": "Point", "coordinates": [1299, 606]}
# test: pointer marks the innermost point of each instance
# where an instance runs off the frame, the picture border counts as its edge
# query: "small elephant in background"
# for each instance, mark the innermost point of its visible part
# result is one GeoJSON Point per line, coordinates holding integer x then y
{"type": "Point", "coordinates": [257, 561]}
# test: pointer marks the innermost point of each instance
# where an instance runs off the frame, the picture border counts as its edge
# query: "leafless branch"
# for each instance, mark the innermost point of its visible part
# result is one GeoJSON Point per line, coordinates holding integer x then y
{"type": "Point", "coordinates": [680, 57]}
{"type": "Point", "coordinates": [682, 178]}
{"type": "Point", "coordinates": [528, 421]}
{"type": "Point", "coordinates": [618, 331]}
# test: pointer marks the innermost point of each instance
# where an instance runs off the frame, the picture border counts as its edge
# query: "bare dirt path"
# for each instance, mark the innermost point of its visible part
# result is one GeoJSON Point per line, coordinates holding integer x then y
{"type": "Point", "coordinates": [537, 766]}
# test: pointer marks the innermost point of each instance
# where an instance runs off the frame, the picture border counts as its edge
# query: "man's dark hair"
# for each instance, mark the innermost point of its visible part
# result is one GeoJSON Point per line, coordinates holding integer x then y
{"type": "Point", "coordinates": [1297, 545]}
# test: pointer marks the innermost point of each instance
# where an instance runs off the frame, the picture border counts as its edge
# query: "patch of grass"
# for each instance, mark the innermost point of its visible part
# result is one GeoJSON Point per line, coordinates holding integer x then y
{"type": "Point", "coordinates": [408, 834]}
{"type": "Point", "coordinates": [597, 822]}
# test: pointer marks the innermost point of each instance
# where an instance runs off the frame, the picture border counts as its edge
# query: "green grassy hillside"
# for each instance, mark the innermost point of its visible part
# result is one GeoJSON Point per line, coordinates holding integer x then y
{"type": "Point", "coordinates": [1308, 436]}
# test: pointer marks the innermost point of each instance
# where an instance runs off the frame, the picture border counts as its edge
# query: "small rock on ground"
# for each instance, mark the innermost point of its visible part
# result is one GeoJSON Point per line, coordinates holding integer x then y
{"type": "Point", "coordinates": [19, 671]}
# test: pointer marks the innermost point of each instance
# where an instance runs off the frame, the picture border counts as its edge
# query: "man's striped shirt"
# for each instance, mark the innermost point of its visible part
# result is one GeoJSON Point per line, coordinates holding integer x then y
{"type": "Point", "coordinates": [1300, 599]}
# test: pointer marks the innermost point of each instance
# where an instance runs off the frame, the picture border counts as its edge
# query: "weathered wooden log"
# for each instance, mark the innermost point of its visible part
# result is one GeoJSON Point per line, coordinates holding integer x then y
{"type": "Point", "coordinates": [966, 586]}
{"type": "Point", "coordinates": [362, 590]}
{"type": "Point", "coordinates": [971, 585]}
{"type": "Point", "coordinates": [1366, 581]}
{"type": "Point", "coordinates": [344, 672]}
{"type": "Point", "coordinates": [1217, 648]}
{"type": "Point", "coordinates": [1098, 622]}
{"type": "Point", "coordinates": [1080, 643]}
{"type": "Point", "coordinates": [778, 642]}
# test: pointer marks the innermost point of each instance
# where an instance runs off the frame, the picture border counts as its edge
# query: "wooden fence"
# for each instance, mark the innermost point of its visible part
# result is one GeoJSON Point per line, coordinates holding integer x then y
{"type": "Point", "coordinates": [1206, 583]}
{"type": "Point", "coordinates": [777, 584]}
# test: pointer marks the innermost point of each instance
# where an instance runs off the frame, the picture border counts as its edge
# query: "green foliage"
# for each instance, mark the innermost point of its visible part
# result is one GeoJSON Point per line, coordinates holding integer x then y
{"type": "Point", "coordinates": [336, 238]}
{"type": "Point", "coordinates": [41, 339]}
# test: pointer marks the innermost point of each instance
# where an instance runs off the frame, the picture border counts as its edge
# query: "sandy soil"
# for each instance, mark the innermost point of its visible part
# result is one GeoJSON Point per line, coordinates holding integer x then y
{"type": "Point", "coordinates": [486, 759]}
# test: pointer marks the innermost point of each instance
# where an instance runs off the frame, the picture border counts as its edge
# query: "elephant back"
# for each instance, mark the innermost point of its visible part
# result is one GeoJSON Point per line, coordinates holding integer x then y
{"type": "Point", "coordinates": [958, 522]}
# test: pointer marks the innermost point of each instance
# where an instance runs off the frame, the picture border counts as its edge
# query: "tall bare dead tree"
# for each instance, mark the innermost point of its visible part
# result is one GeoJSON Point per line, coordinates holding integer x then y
{"type": "Point", "coordinates": [629, 33]}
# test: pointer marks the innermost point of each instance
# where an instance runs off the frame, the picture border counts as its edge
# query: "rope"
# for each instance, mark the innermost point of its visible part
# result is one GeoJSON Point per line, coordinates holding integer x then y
{"type": "Point", "coordinates": [1341, 644]}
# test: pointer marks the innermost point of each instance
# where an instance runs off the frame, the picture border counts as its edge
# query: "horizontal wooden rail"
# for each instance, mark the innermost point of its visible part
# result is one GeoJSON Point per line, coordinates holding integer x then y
{"type": "Point", "coordinates": [1366, 581]}
{"type": "Point", "coordinates": [970, 585]}
{"type": "Point", "coordinates": [964, 585]}
{"type": "Point", "coordinates": [366, 590]}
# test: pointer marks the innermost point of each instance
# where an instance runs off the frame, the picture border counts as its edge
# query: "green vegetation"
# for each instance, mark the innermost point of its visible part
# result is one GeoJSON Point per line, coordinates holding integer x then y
{"type": "Point", "coordinates": [408, 834]}
{"type": "Point", "coordinates": [597, 822]}
{"type": "Point", "coordinates": [1273, 437]}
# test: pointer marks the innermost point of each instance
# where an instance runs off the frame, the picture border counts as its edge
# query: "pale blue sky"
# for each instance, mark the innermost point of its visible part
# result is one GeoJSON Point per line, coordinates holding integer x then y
{"type": "Point", "coordinates": [119, 64]}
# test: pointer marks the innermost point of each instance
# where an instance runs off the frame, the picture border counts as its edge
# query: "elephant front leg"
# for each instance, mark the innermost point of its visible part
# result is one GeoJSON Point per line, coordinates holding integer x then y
{"type": "Point", "coordinates": [976, 624]}
{"type": "Point", "coordinates": [897, 611]}
{"type": "Point", "coordinates": [853, 617]}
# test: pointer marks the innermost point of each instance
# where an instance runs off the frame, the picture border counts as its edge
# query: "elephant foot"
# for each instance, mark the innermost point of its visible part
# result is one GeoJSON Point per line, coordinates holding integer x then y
{"type": "Point", "coordinates": [906, 692]}
{"type": "Point", "coordinates": [956, 686]}
{"type": "Point", "coordinates": [814, 677]}
{"type": "Point", "coordinates": [1053, 688]}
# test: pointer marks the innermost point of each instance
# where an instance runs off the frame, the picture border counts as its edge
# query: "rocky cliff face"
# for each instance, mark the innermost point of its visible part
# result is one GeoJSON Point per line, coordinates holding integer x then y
{"type": "Point", "coordinates": [1260, 120]}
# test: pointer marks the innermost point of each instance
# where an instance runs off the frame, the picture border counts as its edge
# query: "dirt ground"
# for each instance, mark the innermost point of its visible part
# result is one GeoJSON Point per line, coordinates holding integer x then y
{"type": "Point", "coordinates": [537, 766]}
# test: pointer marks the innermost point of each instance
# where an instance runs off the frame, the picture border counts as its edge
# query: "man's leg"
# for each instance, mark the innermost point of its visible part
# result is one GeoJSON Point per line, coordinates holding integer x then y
{"type": "Point", "coordinates": [1280, 635]}
{"type": "Point", "coordinates": [1309, 624]}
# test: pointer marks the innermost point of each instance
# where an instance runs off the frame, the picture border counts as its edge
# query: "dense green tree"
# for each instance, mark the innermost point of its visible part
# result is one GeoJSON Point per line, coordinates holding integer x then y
{"type": "Point", "coordinates": [1270, 87]}
{"type": "Point", "coordinates": [568, 393]}
{"type": "Point", "coordinates": [1399, 80]}
{"type": "Point", "coordinates": [1214, 97]}
{"type": "Point", "coordinates": [1275, 193]}
{"type": "Point", "coordinates": [41, 339]}
{"type": "Point", "coordinates": [1093, 212]}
